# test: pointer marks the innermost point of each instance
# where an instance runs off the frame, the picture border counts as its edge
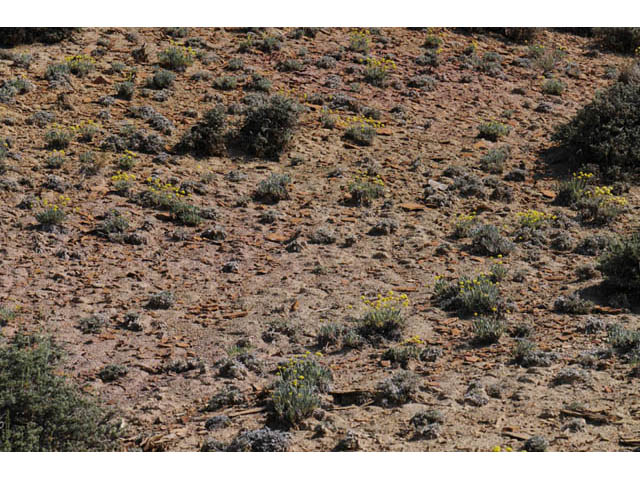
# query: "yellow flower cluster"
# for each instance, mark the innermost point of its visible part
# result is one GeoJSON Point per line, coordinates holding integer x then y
{"type": "Point", "coordinates": [74, 61]}
{"type": "Point", "coordinates": [497, 448]}
{"type": "Point", "coordinates": [415, 340]}
{"type": "Point", "coordinates": [388, 301]}
{"type": "Point", "coordinates": [186, 51]}
{"type": "Point", "coordinates": [62, 202]}
{"type": "Point", "coordinates": [363, 177]}
{"type": "Point", "coordinates": [362, 120]}
{"type": "Point", "coordinates": [381, 64]}
{"type": "Point", "coordinates": [157, 186]}
{"type": "Point", "coordinates": [534, 218]}
{"type": "Point", "coordinates": [582, 175]}
{"type": "Point", "coordinates": [121, 176]}
{"type": "Point", "coordinates": [606, 195]}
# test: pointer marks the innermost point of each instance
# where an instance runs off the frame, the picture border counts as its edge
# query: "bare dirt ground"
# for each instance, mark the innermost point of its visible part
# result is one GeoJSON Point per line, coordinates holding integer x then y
{"type": "Point", "coordinates": [248, 292]}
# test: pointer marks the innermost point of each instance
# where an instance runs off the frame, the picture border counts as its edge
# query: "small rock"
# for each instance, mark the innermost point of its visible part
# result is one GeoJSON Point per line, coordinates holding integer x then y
{"type": "Point", "coordinates": [536, 444]}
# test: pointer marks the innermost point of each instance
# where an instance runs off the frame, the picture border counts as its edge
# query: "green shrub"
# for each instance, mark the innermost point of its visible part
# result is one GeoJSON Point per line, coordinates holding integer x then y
{"type": "Point", "coordinates": [40, 410]}
{"type": "Point", "coordinates": [125, 90]}
{"type": "Point", "coordinates": [623, 340]}
{"type": "Point", "coordinates": [295, 393]}
{"type": "Point", "coordinates": [258, 83]}
{"type": "Point", "coordinates": [360, 133]}
{"type": "Point", "coordinates": [58, 137]}
{"type": "Point", "coordinates": [364, 189]}
{"type": "Point", "coordinates": [493, 161]}
{"type": "Point", "coordinates": [176, 58]}
{"type": "Point", "coordinates": [384, 317]}
{"type": "Point", "coordinates": [553, 87]}
{"type": "Point", "coordinates": [620, 263]}
{"type": "Point", "coordinates": [161, 79]}
{"type": "Point", "coordinates": [487, 240]}
{"type": "Point", "coordinates": [606, 132]}
{"type": "Point", "coordinates": [618, 39]}
{"type": "Point", "coordinates": [360, 41]}
{"type": "Point", "coordinates": [226, 82]}
{"type": "Point", "coordinates": [273, 189]}
{"type": "Point", "coordinates": [268, 127]}
{"type": "Point", "coordinates": [80, 65]}
{"type": "Point", "coordinates": [493, 130]}
{"type": "Point", "coordinates": [487, 330]}
{"type": "Point", "coordinates": [432, 41]}
{"type": "Point", "coordinates": [378, 70]}
{"type": "Point", "coordinates": [469, 296]}
{"type": "Point", "coordinates": [207, 137]}
{"type": "Point", "coordinates": [12, 36]}
{"type": "Point", "coordinates": [51, 216]}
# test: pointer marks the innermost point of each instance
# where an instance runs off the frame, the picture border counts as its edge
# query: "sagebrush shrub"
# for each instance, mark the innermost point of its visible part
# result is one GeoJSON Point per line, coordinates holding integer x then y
{"type": "Point", "coordinates": [618, 39]}
{"type": "Point", "coordinates": [40, 410]}
{"type": "Point", "coordinates": [268, 127]}
{"type": "Point", "coordinates": [12, 36]}
{"type": "Point", "coordinates": [296, 392]}
{"type": "Point", "coordinates": [620, 263]}
{"type": "Point", "coordinates": [207, 137]}
{"type": "Point", "coordinates": [605, 132]}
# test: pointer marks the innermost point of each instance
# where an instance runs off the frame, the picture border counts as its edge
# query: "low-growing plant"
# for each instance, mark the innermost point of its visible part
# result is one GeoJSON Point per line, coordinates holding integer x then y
{"type": "Point", "coordinates": [80, 65]}
{"type": "Point", "coordinates": [56, 159]}
{"type": "Point", "coordinates": [486, 239]}
{"type": "Point", "coordinates": [207, 137]}
{"type": "Point", "coordinates": [494, 160]}
{"type": "Point", "coordinates": [572, 304]}
{"type": "Point", "coordinates": [493, 130]}
{"type": "Point", "coordinates": [125, 90]}
{"type": "Point", "coordinates": [620, 263]}
{"type": "Point", "coordinates": [553, 87]}
{"type": "Point", "coordinates": [296, 392]}
{"type": "Point", "coordinates": [487, 330]}
{"type": "Point", "coordinates": [377, 71]}
{"type": "Point", "coordinates": [128, 160]}
{"type": "Point", "coordinates": [364, 188]}
{"type": "Point", "coordinates": [469, 296]}
{"type": "Point", "coordinates": [273, 189]}
{"type": "Point", "coordinates": [398, 389]}
{"type": "Point", "coordinates": [464, 224]}
{"type": "Point", "coordinates": [360, 41]}
{"type": "Point", "coordinates": [258, 83]}
{"type": "Point", "coordinates": [225, 82]}
{"type": "Point", "coordinates": [161, 79]}
{"type": "Point", "coordinates": [384, 316]}
{"type": "Point", "coordinates": [534, 219]}
{"type": "Point", "coordinates": [623, 340]}
{"type": "Point", "coordinates": [53, 214]}
{"type": "Point", "coordinates": [360, 133]}
{"type": "Point", "coordinates": [122, 182]}
{"type": "Point", "coordinates": [176, 58]}
{"type": "Point", "coordinates": [58, 137]}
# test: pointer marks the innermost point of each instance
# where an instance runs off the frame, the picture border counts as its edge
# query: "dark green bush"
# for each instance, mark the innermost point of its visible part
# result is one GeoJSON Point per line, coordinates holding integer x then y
{"type": "Point", "coordinates": [618, 39]}
{"type": "Point", "coordinates": [606, 132]}
{"type": "Point", "coordinates": [620, 263]}
{"type": "Point", "coordinates": [40, 410]}
{"type": "Point", "coordinates": [207, 137]}
{"type": "Point", "coordinates": [12, 36]}
{"type": "Point", "coordinates": [268, 127]}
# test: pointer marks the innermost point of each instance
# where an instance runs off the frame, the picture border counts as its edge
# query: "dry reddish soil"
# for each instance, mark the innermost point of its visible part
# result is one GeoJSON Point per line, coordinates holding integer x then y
{"type": "Point", "coordinates": [273, 301]}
